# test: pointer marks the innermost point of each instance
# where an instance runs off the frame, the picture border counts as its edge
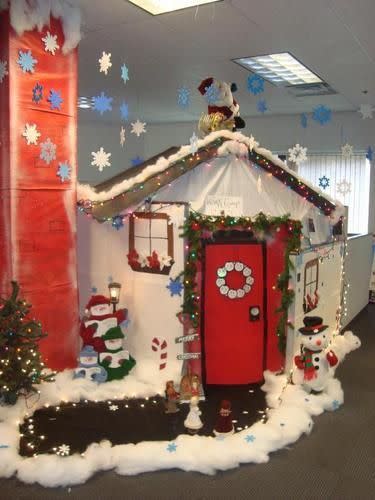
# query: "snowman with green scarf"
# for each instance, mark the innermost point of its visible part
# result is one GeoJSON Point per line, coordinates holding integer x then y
{"type": "Point", "coordinates": [116, 361]}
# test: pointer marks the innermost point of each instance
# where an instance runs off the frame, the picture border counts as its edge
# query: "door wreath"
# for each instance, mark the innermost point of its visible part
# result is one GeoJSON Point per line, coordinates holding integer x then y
{"type": "Point", "coordinates": [221, 283]}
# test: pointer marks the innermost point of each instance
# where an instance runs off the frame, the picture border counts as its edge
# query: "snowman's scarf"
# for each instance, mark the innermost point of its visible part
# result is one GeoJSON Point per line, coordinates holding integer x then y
{"type": "Point", "coordinates": [309, 369]}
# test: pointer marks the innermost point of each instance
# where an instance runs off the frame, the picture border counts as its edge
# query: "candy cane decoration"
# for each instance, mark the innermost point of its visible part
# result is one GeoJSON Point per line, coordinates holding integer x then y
{"type": "Point", "coordinates": [160, 345]}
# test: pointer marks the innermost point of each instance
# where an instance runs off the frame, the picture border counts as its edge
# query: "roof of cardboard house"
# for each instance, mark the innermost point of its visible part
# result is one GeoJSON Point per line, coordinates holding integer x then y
{"type": "Point", "coordinates": [127, 190]}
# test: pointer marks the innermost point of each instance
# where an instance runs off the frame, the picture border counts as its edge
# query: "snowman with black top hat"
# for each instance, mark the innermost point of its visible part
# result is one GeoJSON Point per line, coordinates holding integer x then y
{"type": "Point", "coordinates": [315, 359]}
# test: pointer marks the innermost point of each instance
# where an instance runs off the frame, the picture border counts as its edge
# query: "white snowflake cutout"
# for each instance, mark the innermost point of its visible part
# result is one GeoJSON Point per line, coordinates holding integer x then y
{"type": "Point", "coordinates": [297, 154]}
{"type": "Point", "coordinates": [138, 128]}
{"type": "Point", "coordinates": [347, 151]}
{"type": "Point", "coordinates": [50, 43]}
{"type": "Point", "coordinates": [105, 62]}
{"type": "Point", "coordinates": [366, 110]}
{"type": "Point", "coordinates": [101, 159]}
{"type": "Point", "coordinates": [122, 136]}
{"type": "Point", "coordinates": [343, 187]}
{"type": "Point", "coordinates": [63, 450]}
{"type": "Point", "coordinates": [113, 407]}
{"type": "Point", "coordinates": [3, 70]}
{"type": "Point", "coordinates": [31, 134]}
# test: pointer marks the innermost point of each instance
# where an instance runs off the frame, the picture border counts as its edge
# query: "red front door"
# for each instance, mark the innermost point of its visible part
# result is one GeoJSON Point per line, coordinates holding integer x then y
{"type": "Point", "coordinates": [234, 313]}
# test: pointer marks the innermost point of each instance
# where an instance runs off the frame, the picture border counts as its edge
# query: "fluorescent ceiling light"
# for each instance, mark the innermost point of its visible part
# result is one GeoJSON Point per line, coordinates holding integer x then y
{"type": "Point", "coordinates": [156, 7]}
{"type": "Point", "coordinates": [84, 102]}
{"type": "Point", "coordinates": [281, 69]}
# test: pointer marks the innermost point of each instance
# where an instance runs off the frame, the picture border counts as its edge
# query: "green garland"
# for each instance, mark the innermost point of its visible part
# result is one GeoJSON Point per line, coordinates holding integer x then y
{"type": "Point", "coordinates": [199, 227]}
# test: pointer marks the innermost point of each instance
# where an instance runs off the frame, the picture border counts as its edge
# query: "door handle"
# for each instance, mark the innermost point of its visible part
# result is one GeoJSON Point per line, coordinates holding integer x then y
{"type": "Point", "coordinates": [254, 313]}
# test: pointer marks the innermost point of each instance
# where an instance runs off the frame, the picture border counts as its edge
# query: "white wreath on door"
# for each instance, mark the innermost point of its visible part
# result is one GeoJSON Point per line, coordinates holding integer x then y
{"type": "Point", "coordinates": [221, 283]}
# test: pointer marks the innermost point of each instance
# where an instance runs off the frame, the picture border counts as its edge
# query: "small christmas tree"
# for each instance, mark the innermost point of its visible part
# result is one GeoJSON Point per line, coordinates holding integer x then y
{"type": "Point", "coordinates": [21, 366]}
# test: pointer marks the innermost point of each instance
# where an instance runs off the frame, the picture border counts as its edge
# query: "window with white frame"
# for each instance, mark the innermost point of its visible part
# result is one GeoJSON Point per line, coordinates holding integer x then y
{"type": "Point", "coordinates": [344, 179]}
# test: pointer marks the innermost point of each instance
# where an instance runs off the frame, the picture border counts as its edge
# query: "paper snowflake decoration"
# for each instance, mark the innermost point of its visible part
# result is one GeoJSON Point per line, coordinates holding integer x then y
{"type": "Point", "coordinates": [117, 222]}
{"type": "Point", "coordinates": [183, 97]}
{"type": "Point", "coordinates": [347, 151]}
{"type": "Point", "coordinates": [322, 114]}
{"type": "Point", "coordinates": [63, 450]}
{"type": "Point", "coordinates": [303, 120]}
{"type": "Point", "coordinates": [297, 154]}
{"type": "Point", "coordinates": [101, 159]}
{"type": "Point", "coordinates": [48, 151]}
{"type": "Point", "coordinates": [37, 93]}
{"type": "Point", "coordinates": [55, 99]}
{"type": "Point", "coordinates": [26, 61]}
{"type": "Point", "coordinates": [124, 73]}
{"type": "Point", "coordinates": [262, 106]}
{"type": "Point", "coordinates": [94, 290]}
{"type": "Point", "coordinates": [138, 128]}
{"type": "Point", "coordinates": [175, 286]}
{"type": "Point", "coordinates": [172, 447]}
{"type": "Point", "coordinates": [252, 143]}
{"type": "Point", "coordinates": [366, 111]}
{"type": "Point", "coordinates": [113, 407]}
{"type": "Point", "coordinates": [211, 94]}
{"type": "Point", "coordinates": [250, 438]}
{"type": "Point", "coordinates": [122, 136]}
{"type": "Point", "coordinates": [343, 187]}
{"type": "Point", "coordinates": [124, 111]}
{"type": "Point", "coordinates": [64, 171]}
{"type": "Point", "coordinates": [193, 144]}
{"type": "Point", "coordinates": [335, 405]}
{"type": "Point", "coordinates": [137, 160]}
{"type": "Point", "coordinates": [3, 70]}
{"type": "Point", "coordinates": [50, 43]}
{"type": "Point", "coordinates": [255, 84]}
{"type": "Point", "coordinates": [31, 134]}
{"type": "Point", "coordinates": [102, 103]}
{"type": "Point", "coordinates": [370, 153]}
{"type": "Point", "coordinates": [323, 182]}
{"type": "Point", "coordinates": [105, 63]}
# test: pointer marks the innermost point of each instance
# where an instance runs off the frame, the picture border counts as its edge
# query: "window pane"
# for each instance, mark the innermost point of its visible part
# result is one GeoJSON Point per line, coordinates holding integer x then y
{"type": "Point", "coordinates": [160, 246]}
{"type": "Point", "coordinates": [142, 245]}
{"type": "Point", "coordinates": [159, 228]}
{"type": "Point", "coordinates": [142, 227]}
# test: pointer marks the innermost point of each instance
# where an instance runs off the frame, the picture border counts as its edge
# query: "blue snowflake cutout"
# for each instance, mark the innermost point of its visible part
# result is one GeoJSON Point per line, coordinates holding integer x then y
{"type": "Point", "coordinates": [172, 447]}
{"type": "Point", "coordinates": [322, 114]}
{"type": "Point", "coordinates": [250, 438]}
{"type": "Point", "coordinates": [55, 99]}
{"type": "Point", "coordinates": [117, 222]}
{"type": "Point", "coordinates": [303, 120]}
{"type": "Point", "coordinates": [323, 182]}
{"type": "Point", "coordinates": [255, 84]}
{"type": "Point", "coordinates": [102, 103]}
{"type": "Point", "coordinates": [26, 61]}
{"type": "Point", "coordinates": [370, 154]}
{"type": "Point", "coordinates": [137, 160]}
{"type": "Point", "coordinates": [37, 93]}
{"type": "Point", "coordinates": [124, 73]}
{"type": "Point", "coordinates": [64, 171]}
{"type": "Point", "coordinates": [183, 97]}
{"type": "Point", "coordinates": [212, 94]}
{"type": "Point", "coordinates": [175, 286]}
{"type": "Point", "coordinates": [262, 106]}
{"type": "Point", "coordinates": [335, 405]}
{"type": "Point", "coordinates": [124, 111]}
{"type": "Point", "coordinates": [94, 290]}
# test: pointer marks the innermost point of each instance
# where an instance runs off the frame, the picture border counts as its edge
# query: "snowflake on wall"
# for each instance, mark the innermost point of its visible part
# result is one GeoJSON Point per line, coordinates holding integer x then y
{"type": "Point", "coordinates": [255, 84]}
{"type": "Point", "coordinates": [262, 106]}
{"type": "Point", "coordinates": [64, 171]}
{"type": "Point", "coordinates": [250, 438]}
{"type": "Point", "coordinates": [101, 159]}
{"type": "Point", "coordinates": [117, 222]}
{"type": "Point", "coordinates": [122, 136]}
{"type": "Point", "coordinates": [323, 182]}
{"type": "Point", "coordinates": [26, 61]}
{"type": "Point", "coordinates": [105, 63]}
{"type": "Point", "coordinates": [138, 128]}
{"type": "Point", "coordinates": [3, 70]}
{"type": "Point", "coordinates": [102, 103]}
{"type": "Point", "coordinates": [50, 43]}
{"type": "Point", "coordinates": [193, 143]}
{"type": "Point", "coordinates": [124, 73]}
{"type": "Point", "coordinates": [175, 286]}
{"type": "Point", "coordinates": [297, 154]}
{"type": "Point", "coordinates": [366, 110]}
{"type": "Point", "coordinates": [369, 153]}
{"type": "Point", "coordinates": [303, 120]}
{"type": "Point", "coordinates": [124, 111]}
{"type": "Point", "coordinates": [212, 94]}
{"type": "Point", "coordinates": [343, 187]}
{"type": "Point", "coordinates": [347, 151]}
{"type": "Point", "coordinates": [31, 134]}
{"type": "Point", "coordinates": [137, 160]}
{"type": "Point", "coordinates": [322, 114]}
{"type": "Point", "coordinates": [37, 93]}
{"type": "Point", "coordinates": [63, 450]}
{"type": "Point", "coordinates": [48, 151]}
{"type": "Point", "coordinates": [172, 447]}
{"type": "Point", "coordinates": [55, 99]}
{"type": "Point", "coordinates": [183, 97]}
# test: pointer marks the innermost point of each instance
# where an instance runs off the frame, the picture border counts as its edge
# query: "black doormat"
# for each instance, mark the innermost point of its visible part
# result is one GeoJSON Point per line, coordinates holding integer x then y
{"type": "Point", "coordinates": [123, 421]}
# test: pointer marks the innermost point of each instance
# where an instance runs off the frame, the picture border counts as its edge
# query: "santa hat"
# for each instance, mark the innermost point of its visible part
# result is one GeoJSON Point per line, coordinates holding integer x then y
{"type": "Point", "coordinates": [225, 405]}
{"type": "Point", "coordinates": [97, 300]}
{"type": "Point", "coordinates": [204, 84]}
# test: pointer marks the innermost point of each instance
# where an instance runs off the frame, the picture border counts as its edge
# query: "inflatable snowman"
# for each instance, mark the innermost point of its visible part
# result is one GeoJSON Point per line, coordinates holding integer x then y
{"type": "Point", "coordinates": [315, 359]}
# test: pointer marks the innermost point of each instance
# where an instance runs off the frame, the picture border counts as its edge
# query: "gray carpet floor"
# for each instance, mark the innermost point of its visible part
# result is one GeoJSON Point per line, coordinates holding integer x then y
{"type": "Point", "coordinates": [337, 461]}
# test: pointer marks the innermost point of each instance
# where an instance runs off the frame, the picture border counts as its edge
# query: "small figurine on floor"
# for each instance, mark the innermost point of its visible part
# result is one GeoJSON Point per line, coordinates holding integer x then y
{"type": "Point", "coordinates": [116, 361]}
{"type": "Point", "coordinates": [315, 360]}
{"type": "Point", "coordinates": [190, 386]}
{"type": "Point", "coordinates": [88, 366]}
{"type": "Point", "coordinates": [171, 398]}
{"type": "Point", "coordinates": [224, 425]}
{"type": "Point", "coordinates": [193, 422]}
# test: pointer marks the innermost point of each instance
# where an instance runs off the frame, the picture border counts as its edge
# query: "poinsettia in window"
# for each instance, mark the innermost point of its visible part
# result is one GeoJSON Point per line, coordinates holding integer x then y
{"type": "Point", "coordinates": [150, 243]}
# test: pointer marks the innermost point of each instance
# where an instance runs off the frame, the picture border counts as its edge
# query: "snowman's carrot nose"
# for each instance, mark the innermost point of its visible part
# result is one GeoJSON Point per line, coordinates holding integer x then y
{"type": "Point", "coordinates": [318, 342]}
